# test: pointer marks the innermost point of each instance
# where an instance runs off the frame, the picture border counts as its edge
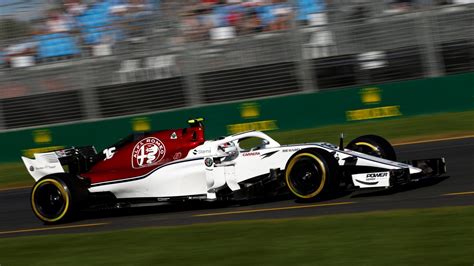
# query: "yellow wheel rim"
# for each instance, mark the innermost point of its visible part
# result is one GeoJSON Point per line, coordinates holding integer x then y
{"type": "Point", "coordinates": [64, 193]}
{"type": "Point", "coordinates": [373, 147]}
{"type": "Point", "coordinates": [323, 176]}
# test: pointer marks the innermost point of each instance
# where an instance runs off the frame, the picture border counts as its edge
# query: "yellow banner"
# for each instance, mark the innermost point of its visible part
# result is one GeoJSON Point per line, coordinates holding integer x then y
{"type": "Point", "coordinates": [373, 113]}
{"type": "Point", "coordinates": [259, 125]}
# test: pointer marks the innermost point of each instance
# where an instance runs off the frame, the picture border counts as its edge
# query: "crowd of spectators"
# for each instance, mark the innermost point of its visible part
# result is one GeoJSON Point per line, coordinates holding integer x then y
{"type": "Point", "coordinates": [93, 27]}
{"type": "Point", "coordinates": [77, 27]}
{"type": "Point", "coordinates": [213, 19]}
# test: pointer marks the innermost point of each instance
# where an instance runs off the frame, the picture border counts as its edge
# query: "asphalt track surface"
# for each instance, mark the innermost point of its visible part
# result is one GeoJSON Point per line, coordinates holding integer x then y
{"type": "Point", "coordinates": [17, 219]}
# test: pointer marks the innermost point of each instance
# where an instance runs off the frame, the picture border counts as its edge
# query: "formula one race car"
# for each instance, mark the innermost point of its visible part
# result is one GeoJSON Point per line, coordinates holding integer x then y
{"type": "Point", "coordinates": [179, 165]}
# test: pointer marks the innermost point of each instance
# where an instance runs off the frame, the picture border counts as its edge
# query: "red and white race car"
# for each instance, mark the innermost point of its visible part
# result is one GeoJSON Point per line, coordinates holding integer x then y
{"type": "Point", "coordinates": [178, 165]}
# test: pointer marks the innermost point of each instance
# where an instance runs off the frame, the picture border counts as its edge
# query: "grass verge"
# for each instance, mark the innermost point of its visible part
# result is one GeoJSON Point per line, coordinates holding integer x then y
{"type": "Point", "coordinates": [396, 130]}
{"type": "Point", "coordinates": [14, 175]}
{"type": "Point", "coordinates": [441, 236]}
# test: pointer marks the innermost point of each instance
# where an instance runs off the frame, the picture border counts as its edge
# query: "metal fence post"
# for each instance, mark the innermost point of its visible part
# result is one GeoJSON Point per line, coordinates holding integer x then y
{"type": "Point", "coordinates": [89, 101]}
{"type": "Point", "coordinates": [2, 121]}
{"type": "Point", "coordinates": [88, 94]}
{"type": "Point", "coordinates": [431, 61]}
{"type": "Point", "coordinates": [303, 66]}
{"type": "Point", "coordinates": [191, 81]}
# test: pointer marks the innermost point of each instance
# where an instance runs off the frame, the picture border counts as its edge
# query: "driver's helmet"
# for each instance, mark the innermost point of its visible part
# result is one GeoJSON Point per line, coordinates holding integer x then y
{"type": "Point", "coordinates": [228, 150]}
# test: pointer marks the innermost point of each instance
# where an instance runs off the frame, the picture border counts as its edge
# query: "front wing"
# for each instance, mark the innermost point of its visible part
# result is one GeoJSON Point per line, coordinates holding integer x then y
{"type": "Point", "coordinates": [430, 168]}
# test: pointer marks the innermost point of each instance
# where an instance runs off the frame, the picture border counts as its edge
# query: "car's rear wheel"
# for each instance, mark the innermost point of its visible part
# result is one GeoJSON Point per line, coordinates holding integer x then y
{"type": "Point", "coordinates": [373, 145]}
{"type": "Point", "coordinates": [56, 199]}
{"type": "Point", "coordinates": [311, 174]}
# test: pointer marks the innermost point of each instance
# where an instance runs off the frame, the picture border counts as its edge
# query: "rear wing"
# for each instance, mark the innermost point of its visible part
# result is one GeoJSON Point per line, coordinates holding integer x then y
{"type": "Point", "coordinates": [77, 160]}
{"type": "Point", "coordinates": [43, 164]}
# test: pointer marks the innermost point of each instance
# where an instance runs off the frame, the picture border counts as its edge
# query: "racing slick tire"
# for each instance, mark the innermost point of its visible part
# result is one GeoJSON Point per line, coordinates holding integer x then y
{"type": "Point", "coordinates": [57, 198]}
{"type": "Point", "coordinates": [373, 145]}
{"type": "Point", "coordinates": [312, 174]}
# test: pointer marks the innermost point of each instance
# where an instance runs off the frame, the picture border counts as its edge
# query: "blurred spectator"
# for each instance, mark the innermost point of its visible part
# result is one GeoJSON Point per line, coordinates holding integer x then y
{"type": "Point", "coordinates": [104, 22]}
{"type": "Point", "coordinates": [226, 19]}
{"type": "Point", "coordinates": [234, 17]}
{"type": "Point", "coordinates": [279, 15]}
{"type": "Point", "coordinates": [57, 22]}
{"type": "Point", "coordinates": [306, 9]}
{"type": "Point", "coordinates": [20, 54]}
{"type": "Point", "coordinates": [135, 17]}
{"type": "Point", "coordinates": [55, 41]}
{"type": "Point", "coordinates": [402, 5]}
{"type": "Point", "coordinates": [193, 28]}
{"type": "Point", "coordinates": [95, 23]}
{"type": "Point", "coordinates": [74, 8]}
{"type": "Point", "coordinates": [252, 22]}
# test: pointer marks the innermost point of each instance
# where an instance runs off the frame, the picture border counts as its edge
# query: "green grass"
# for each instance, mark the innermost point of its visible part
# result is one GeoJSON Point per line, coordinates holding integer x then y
{"type": "Point", "coordinates": [396, 130]}
{"type": "Point", "coordinates": [442, 236]}
{"type": "Point", "coordinates": [14, 175]}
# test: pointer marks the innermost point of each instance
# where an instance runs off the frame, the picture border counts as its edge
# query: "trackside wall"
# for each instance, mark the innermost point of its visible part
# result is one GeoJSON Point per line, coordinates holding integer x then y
{"type": "Point", "coordinates": [308, 110]}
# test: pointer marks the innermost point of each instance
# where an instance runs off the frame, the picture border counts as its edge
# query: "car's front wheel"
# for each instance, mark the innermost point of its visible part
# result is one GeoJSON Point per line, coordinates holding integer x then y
{"type": "Point", "coordinates": [373, 145]}
{"type": "Point", "coordinates": [311, 174]}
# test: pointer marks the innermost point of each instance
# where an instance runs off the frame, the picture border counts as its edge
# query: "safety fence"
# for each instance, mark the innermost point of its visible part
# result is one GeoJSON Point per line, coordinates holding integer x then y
{"type": "Point", "coordinates": [164, 67]}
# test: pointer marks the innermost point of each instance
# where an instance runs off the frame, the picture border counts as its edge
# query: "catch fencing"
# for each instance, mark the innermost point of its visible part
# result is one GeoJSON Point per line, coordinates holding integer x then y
{"type": "Point", "coordinates": [162, 68]}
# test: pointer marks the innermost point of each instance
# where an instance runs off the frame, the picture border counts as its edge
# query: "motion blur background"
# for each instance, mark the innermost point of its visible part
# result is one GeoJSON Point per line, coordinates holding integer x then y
{"type": "Point", "coordinates": [76, 73]}
{"type": "Point", "coordinates": [73, 60]}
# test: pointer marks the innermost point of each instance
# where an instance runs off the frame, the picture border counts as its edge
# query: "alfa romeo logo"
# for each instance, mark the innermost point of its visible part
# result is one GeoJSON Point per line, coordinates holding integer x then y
{"type": "Point", "coordinates": [148, 151]}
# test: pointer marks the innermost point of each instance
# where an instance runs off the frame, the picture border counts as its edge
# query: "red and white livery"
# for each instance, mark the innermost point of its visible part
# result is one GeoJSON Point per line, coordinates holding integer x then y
{"type": "Point", "coordinates": [178, 164]}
